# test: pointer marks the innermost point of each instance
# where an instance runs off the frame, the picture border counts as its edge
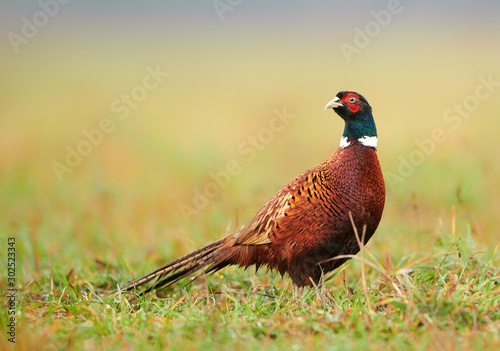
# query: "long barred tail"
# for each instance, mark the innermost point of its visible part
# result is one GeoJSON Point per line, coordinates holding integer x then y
{"type": "Point", "coordinates": [209, 258]}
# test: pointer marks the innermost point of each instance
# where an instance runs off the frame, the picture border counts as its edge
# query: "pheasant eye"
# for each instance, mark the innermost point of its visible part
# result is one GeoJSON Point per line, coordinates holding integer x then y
{"type": "Point", "coordinates": [352, 99]}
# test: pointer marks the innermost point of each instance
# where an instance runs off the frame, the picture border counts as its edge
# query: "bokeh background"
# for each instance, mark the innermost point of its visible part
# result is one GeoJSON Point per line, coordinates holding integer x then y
{"type": "Point", "coordinates": [231, 66]}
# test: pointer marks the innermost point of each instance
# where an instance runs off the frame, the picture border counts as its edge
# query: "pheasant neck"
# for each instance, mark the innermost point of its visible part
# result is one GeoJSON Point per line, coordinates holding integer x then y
{"type": "Point", "coordinates": [370, 141]}
{"type": "Point", "coordinates": [361, 128]}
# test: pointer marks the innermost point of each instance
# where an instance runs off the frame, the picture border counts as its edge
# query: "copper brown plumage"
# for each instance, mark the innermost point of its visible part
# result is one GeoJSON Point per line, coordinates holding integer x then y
{"type": "Point", "coordinates": [307, 223]}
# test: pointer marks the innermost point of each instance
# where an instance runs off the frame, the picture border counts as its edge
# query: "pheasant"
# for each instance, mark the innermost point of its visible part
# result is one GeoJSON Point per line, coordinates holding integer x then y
{"type": "Point", "coordinates": [308, 222]}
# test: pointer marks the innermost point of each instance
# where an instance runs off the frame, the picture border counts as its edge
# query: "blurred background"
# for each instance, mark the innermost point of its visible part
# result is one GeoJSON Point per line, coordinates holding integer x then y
{"type": "Point", "coordinates": [116, 117]}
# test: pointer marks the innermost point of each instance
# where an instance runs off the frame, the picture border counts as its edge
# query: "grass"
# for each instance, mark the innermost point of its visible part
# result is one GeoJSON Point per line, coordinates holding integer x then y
{"type": "Point", "coordinates": [448, 296]}
{"type": "Point", "coordinates": [429, 279]}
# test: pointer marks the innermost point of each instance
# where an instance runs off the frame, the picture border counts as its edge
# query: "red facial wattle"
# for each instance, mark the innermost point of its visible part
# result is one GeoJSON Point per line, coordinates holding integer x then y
{"type": "Point", "coordinates": [353, 106]}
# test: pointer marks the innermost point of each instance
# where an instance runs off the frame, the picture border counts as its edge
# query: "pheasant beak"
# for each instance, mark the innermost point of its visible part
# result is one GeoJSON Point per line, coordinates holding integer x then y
{"type": "Point", "coordinates": [334, 103]}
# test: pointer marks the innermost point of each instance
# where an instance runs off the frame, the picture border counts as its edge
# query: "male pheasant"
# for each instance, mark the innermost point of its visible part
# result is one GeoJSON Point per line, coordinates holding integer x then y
{"type": "Point", "coordinates": [307, 223]}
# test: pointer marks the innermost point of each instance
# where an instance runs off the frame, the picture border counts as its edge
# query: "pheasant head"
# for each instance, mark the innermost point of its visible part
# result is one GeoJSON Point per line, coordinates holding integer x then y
{"type": "Point", "coordinates": [357, 114]}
